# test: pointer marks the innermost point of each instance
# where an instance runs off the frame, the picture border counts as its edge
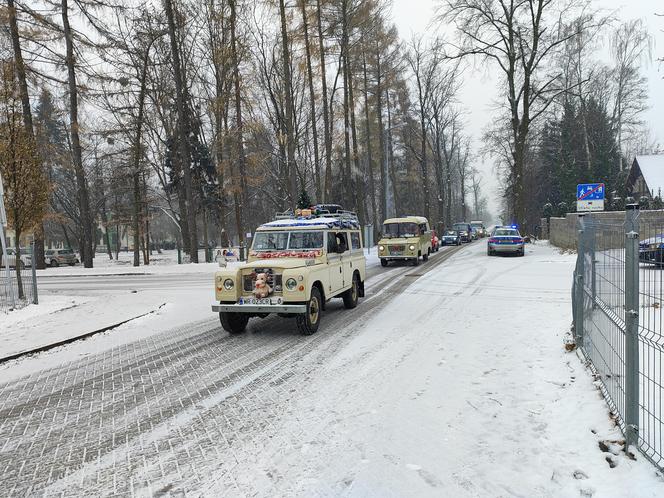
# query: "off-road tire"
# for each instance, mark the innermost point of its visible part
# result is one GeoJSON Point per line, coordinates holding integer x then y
{"type": "Point", "coordinates": [308, 322]}
{"type": "Point", "coordinates": [425, 257]}
{"type": "Point", "coordinates": [416, 261]}
{"type": "Point", "coordinates": [352, 295]}
{"type": "Point", "coordinates": [233, 323]}
{"type": "Point", "coordinates": [383, 262]}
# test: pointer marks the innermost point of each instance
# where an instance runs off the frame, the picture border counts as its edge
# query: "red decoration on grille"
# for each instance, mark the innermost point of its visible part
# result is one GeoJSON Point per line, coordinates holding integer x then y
{"type": "Point", "coordinates": [286, 254]}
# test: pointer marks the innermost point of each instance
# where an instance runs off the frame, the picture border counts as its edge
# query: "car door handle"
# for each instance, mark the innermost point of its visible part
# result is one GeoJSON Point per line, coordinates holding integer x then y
{"type": "Point", "coordinates": [339, 269]}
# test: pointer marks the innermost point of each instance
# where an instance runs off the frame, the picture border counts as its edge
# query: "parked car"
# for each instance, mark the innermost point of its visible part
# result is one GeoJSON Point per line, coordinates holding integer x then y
{"type": "Point", "coordinates": [651, 250]}
{"type": "Point", "coordinates": [505, 240]}
{"type": "Point", "coordinates": [465, 231]}
{"type": "Point", "coordinates": [57, 257]}
{"type": "Point", "coordinates": [451, 238]}
{"type": "Point", "coordinates": [435, 241]}
{"type": "Point", "coordinates": [25, 261]}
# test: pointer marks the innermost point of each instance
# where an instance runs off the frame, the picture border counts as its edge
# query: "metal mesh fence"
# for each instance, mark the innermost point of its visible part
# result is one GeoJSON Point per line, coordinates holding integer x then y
{"type": "Point", "coordinates": [18, 285]}
{"type": "Point", "coordinates": [618, 296]}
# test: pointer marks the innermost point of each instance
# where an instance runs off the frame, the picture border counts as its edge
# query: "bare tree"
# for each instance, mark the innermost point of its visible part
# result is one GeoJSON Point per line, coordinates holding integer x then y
{"type": "Point", "coordinates": [631, 45]}
{"type": "Point", "coordinates": [183, 132]}
{"type": "Point", "coordinates": [519, 38]}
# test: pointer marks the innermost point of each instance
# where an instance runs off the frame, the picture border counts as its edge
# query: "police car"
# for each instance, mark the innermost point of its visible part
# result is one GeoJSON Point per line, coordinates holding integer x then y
{"type": "Point", "coordinates": [506, 239]}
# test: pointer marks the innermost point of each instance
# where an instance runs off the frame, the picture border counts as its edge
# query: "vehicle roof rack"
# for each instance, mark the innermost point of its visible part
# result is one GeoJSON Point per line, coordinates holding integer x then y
{"type": "Point", "coordinates": [331, 214]}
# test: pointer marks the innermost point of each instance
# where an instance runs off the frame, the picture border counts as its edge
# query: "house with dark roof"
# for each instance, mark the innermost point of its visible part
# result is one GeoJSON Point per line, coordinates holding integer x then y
{"type": "Point", "coordinates": [646, 177]}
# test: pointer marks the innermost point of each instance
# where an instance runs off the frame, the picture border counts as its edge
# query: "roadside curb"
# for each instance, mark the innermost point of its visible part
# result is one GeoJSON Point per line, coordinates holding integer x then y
{"type": "Point", "coordinates": [81, 337]}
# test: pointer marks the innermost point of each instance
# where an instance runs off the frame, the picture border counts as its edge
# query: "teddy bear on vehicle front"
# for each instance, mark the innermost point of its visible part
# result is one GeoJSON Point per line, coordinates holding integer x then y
{"type": "Point", "coordinates": [261, 288]}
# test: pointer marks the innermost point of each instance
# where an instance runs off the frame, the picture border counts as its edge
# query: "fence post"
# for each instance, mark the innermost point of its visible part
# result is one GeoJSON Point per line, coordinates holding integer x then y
{"type": "Point", "coordinates": [591, 230]}
{"type": "Point", "coordinates": [631, 323]}
{"type": "Point", "coordinates": [579, 284]}
{"type": "Point", "coordinates": [33, 268]}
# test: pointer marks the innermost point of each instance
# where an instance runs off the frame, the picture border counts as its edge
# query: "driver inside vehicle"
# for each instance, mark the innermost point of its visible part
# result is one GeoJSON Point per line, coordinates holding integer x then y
{"type": "Point", "coordinates": [410, 229]}
{"type": "Point", "coordinates": [341, 242]}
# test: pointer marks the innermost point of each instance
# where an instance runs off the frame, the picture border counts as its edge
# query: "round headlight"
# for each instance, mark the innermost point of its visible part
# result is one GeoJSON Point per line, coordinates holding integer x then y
{"type": "Point", "coordinates": [411, 247]}
{"type": "Point", "coordinates": [291, 283]}
{"type": "Point", "coordinates": [228, 284]}
{"type": "Point", "coordinates": [381, 248]}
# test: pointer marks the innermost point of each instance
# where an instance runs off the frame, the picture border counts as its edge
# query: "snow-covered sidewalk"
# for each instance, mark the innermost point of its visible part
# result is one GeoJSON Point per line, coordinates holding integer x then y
{"type": "Point", "coordinates": [461, 387]}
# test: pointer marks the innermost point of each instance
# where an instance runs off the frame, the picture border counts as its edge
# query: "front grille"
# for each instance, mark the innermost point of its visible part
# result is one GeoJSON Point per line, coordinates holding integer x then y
{"type": "Point", "coordinates": [396, 250]}
{"type": "Point", "coordinates": [273, 280]}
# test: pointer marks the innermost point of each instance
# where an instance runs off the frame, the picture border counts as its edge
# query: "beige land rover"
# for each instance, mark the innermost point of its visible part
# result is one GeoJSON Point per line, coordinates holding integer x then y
{"type": "Point", "coordinates": [295, 265]}
{"type": "Point", "coordinates": [407, 238]}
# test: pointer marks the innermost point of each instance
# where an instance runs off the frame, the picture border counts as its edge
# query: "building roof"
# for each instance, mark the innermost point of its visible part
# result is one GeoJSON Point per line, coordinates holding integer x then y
{"type": "Point", "coordinates": [652, 169]}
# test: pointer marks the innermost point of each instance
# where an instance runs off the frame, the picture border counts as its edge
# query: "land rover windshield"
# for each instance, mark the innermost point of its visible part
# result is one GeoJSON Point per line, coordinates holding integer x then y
{"type": "Point", "coordinates": [395, 230]}
{"type": "Point", "coordinates": [281, 241]}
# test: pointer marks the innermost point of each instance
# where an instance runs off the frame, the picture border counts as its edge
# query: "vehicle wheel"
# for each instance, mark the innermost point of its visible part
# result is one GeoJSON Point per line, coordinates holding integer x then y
{"type": "Point", "coordinates": [416, 261]}
{"type": "Point", "coordinates": [383, 262]}
{"type": "Point", "coordinates": [425, 257]}
{"type": "Point", "coordinates": [54, 263]}
{"type": "Point", "coordinates": [308, 322]}
{"type": "Point", "coordinates": [489, 252]}
{"type": "Point", "coordinates": [234, 323]}
{"type": "Point", "coordinates": [522, 253]}
{"type": "Point", "coordinates": [352, 294]}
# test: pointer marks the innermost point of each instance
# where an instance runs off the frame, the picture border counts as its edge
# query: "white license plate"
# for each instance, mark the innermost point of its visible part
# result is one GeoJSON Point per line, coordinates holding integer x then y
{"type": "Point", "coordinates": [267, 301]}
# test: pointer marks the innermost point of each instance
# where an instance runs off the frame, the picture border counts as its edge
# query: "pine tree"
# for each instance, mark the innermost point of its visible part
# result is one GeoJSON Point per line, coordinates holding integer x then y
{"type": "Point", "coordinates": [303, 201]}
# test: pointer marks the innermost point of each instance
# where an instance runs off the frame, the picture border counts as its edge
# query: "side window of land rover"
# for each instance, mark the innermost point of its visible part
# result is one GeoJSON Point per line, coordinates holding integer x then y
{"type": "Point", "coordinates": [355, 240]}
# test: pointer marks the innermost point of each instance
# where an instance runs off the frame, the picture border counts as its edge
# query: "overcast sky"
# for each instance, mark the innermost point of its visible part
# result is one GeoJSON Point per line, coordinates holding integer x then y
{"type": "Point", "coordinates": [414, 16]}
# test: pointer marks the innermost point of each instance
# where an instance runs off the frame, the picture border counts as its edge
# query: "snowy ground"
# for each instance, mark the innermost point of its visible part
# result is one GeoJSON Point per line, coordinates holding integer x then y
{"type": "Point", "coordinates": [449, 379]}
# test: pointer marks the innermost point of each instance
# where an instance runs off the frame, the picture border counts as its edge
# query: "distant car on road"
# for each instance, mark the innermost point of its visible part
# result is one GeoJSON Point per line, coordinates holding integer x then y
{"type": "Point", "coordinates": [651, 250]}
{"type": "Point", "coordinates": [505, 240]}
{"type": "Point", "coordinates": [451, 238]}
{"type": "Point", "coordinates": [57, 257]}
{"type": "Point", "coordinates": [25, 261]}
{"type": "Point", "coordinates": [465, 231]}
{"type": "Point", "coordinates": [478, 226]}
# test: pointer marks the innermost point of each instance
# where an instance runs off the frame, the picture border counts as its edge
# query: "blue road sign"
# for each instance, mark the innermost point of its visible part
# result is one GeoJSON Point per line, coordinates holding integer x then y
{"type": "Point", "coordinates": [590, 192]}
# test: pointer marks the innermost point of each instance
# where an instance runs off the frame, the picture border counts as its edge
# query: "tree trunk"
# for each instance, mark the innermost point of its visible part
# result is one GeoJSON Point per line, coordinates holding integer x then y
{"type": "Point", "coordinates": [39, 260]}
{"type": "Point", "coordinates": [183, 129]}
{"type": "Point", "coordinates": [382, 140]}
{"type": "Point", "coordinates": [358, 176]}
{"type": "Point", "coordinates": [390, 157]}
{"type": "Point", "coordinates": [238, 197]}
{"type": "Point", "coordinates": [17, 264]}
{"type": "Point", "coordinates": [326, 117]}
{"type": "Point", "coordinates": [291, 170]}
{"type": "Point", "coordinates": [312, 98]}
{"type": "Point", "coordinates": [77, 156]}
{"type": "Point", "coordinates": [370, 172]}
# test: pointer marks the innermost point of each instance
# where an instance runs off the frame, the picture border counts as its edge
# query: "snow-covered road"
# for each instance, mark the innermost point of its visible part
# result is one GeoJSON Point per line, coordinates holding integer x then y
{"type": "Point", "coordinates": [449, 379]}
